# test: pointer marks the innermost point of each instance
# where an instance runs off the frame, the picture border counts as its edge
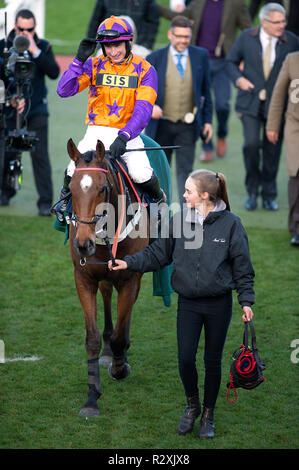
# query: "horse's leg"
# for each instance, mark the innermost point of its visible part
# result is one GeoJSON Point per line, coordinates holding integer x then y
{"type": "Point", "coordinates": [119, 341]}
{"type": "Point", "coordinates": [106, 289]}
{"type": "Point", "coordinates": [87, 292]}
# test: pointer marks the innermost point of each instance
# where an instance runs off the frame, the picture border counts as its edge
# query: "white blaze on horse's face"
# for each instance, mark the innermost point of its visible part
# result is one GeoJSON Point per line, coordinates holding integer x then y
{"type": "Point", "coordinates": [86, 183]}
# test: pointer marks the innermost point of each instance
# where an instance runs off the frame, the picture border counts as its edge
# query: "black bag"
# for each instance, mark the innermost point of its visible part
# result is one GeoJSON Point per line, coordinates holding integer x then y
{"type": "Point", "coordinates": [246, 368]}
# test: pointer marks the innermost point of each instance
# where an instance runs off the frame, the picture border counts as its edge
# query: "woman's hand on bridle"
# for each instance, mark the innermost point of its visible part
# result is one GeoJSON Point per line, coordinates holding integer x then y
{"type": "Point", "coordinates": [120, 264]}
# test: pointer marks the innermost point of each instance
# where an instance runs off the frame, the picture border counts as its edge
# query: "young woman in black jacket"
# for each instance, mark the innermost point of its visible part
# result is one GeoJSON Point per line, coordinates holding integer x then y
{"type": "Point", "coordinates": [209, 249]}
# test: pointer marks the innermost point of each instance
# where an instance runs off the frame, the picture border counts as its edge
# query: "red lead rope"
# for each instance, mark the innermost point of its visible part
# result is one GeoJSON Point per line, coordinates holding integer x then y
{"type": "Point", "coordinates": [231, 385]}
{"type": "Point", "coordinates": [243, 370]}
{"type": "Point", "coordinates": [240, 362]}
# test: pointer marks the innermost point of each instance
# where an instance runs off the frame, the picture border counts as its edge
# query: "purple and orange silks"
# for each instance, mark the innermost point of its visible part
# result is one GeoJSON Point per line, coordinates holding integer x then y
{"type": "Point", "coordinates": [111, 103]}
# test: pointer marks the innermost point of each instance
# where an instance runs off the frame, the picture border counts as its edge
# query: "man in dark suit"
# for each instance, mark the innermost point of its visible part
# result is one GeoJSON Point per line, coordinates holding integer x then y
{"type": "Point", "coordinates": [183, 107]}
{"type": "Point", "coordinates": [262, 51]}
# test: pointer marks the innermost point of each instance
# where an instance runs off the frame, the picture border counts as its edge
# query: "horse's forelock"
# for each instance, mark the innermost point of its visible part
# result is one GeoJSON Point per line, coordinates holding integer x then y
{"type": "Point", "coordinates": [88, 156]}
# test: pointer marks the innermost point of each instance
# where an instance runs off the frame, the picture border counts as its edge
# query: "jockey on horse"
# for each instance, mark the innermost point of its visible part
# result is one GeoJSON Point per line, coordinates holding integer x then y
{"type": "Point", "coordinates": [122, 92]}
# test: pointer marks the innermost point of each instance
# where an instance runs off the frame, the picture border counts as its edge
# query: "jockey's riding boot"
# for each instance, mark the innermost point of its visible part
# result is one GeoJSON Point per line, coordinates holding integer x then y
{"type": "Point", "coordinates": [64, 198]}
{"type": "Point", "coordinates": [153, 189]}
{"type": "Point", "coordinates": [206, 429]}
{"type": "Point", "coordinates": [192, 411]}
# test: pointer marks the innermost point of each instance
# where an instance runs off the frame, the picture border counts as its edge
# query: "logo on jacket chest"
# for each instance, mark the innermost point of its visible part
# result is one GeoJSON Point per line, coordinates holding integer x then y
{"type": "Point", "coordinates": [121, 81]}
{"type": "Point", "coordinates": [219, 240]}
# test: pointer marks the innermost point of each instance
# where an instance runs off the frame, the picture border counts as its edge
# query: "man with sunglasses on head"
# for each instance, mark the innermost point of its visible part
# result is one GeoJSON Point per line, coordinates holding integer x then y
{"type": "Point", "coordinates": [122, 92]}
{"type": "Point", "coordinates": [35, 115]}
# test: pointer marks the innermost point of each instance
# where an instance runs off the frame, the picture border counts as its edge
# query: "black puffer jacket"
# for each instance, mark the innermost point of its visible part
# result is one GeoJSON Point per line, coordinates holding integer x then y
{"type": "Point", "coordinates": [215, 262]}
{"type": "Point", "coordinates": [144, 13]}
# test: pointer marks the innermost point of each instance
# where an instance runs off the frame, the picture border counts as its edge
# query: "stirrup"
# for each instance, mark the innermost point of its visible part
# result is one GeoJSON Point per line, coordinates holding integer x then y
{"type": "Point", "coordinates": [60, 206]}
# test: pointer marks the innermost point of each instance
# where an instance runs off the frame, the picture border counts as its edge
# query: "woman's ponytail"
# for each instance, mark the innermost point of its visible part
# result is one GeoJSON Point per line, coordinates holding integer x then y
{"type": "Point", "coordinates": [212, 183]}
{"type": "Point", "coordinates": [223, 189]}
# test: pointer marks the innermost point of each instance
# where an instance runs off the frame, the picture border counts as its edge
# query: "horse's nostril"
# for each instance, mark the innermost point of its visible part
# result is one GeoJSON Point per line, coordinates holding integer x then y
{"type": "Point", "coordinates": [89, 244]}
{"type": "Point", "coordinates": [87, 248]}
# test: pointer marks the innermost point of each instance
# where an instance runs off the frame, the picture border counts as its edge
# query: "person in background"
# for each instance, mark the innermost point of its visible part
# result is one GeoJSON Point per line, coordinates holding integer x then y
{"type": "Point", "coordinates": [255, 6]}
{"type": "Point", "coordinates": [36, 112]}
{"type": "Point", "coordinates": [178, 5]}
{"type": "Point", "coordinates": [144, 13]}
{"type": "Point", "coordinates": [292, 12]}
{"type": "Point", "coordinates": [205, 272]}
{"type": "Point", "coordinates": [215, 27]}
{"type": "Point", "coordinates": [137, 48]}
{"type": "Point", "coordinates": [293, 17]}
{"type": "Point", "coordinates": [184, 106]}
{"type": "Point", "coordinates": [262, 50]}
{"type": "Point", "coordinates": [286, 88]}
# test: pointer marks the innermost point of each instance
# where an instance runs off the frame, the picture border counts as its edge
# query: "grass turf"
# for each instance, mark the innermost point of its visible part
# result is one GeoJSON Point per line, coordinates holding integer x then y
{"type": "Point", "coordinates": [41, 316]}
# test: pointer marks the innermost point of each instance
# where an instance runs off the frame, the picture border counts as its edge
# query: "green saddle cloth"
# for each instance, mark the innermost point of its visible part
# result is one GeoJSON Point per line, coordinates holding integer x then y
{"type": "Point", "coordinates": [161, 279]}
{"type": "Point", "coordinates": [159, 163]}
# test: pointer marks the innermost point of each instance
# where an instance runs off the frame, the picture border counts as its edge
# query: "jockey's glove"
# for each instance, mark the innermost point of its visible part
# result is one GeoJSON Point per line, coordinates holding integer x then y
{"type": "Point", "coordinates": [118, 147]}
{"type": "Point", "coordinates": [86, 49]}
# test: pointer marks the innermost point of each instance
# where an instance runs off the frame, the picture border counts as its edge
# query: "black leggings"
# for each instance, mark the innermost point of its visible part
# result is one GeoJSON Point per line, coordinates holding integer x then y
{"type": "Point", "coordinates": [215, 315]}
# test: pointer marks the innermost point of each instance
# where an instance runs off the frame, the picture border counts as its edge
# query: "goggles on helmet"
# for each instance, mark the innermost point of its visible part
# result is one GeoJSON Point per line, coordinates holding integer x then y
{"type": "Point", "coordinates": [110, 35]}
{"type": "Point", "coordinates": [107, 34]}
{"type": "Point", "coordinates": [114, 29]}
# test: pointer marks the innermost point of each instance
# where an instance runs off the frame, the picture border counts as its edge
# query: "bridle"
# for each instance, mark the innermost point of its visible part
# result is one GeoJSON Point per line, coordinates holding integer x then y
{"type": "Point", "coordinates": [106, 188]}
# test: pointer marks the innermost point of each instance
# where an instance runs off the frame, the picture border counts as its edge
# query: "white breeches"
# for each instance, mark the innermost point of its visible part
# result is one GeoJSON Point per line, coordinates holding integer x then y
{"type": "Point", "coordinates": [139, 167]}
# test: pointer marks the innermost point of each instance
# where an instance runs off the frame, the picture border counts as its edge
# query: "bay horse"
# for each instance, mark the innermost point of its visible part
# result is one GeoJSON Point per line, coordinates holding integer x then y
{"type": "Point", "coordinates": [95, 184]}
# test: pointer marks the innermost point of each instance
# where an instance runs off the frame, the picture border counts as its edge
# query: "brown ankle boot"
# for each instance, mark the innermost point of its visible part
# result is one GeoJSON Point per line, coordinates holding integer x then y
{"type": "Point", "coordinates": [191, 412]}
{"type": "Point", "coordinates": [206, 430]}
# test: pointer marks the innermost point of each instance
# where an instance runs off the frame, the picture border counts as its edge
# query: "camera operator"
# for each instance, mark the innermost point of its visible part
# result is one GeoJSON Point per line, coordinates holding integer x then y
{"type": "Point", "coordinates": [35, 116]}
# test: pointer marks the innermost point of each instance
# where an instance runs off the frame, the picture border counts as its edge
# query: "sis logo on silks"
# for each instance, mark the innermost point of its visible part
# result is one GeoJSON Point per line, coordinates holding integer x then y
{"type": "Point", "coordinates": [122, 81]}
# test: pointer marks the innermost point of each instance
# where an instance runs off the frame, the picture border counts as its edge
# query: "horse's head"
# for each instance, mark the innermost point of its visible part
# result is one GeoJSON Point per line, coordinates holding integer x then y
{"type": "Point", "coordinates": [88, 187]}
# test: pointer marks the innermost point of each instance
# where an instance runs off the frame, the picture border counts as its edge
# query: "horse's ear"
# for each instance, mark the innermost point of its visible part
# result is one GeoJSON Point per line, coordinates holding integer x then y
{"type": "Point", "coordinates": [73, 151]}
{"type": "Point", "coordinates": [100, 150]}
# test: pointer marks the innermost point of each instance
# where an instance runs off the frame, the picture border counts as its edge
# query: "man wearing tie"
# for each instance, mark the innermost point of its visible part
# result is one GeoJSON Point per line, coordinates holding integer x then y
{"type": "Point", "coordinates": [262, 51]}
{"type": "Point", "coordinates": [183, 108]}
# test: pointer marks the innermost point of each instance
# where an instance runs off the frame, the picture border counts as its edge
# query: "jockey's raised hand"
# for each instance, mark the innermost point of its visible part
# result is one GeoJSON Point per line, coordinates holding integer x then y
{"type": "Point", "coordinates": [86, 49]}
{"type": "Point", "coordinates": [118, 147]}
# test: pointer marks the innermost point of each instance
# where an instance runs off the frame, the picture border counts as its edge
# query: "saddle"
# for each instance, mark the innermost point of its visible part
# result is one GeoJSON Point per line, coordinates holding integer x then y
{"type": "Point", "coordinates": [143, 200]}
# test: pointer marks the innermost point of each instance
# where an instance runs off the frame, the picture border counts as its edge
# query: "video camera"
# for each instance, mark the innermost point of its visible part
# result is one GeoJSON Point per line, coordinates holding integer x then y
{"type": "Point", "coordinates": [18, 61]}
{"type": "Point", "coordinates": [18, 71]}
